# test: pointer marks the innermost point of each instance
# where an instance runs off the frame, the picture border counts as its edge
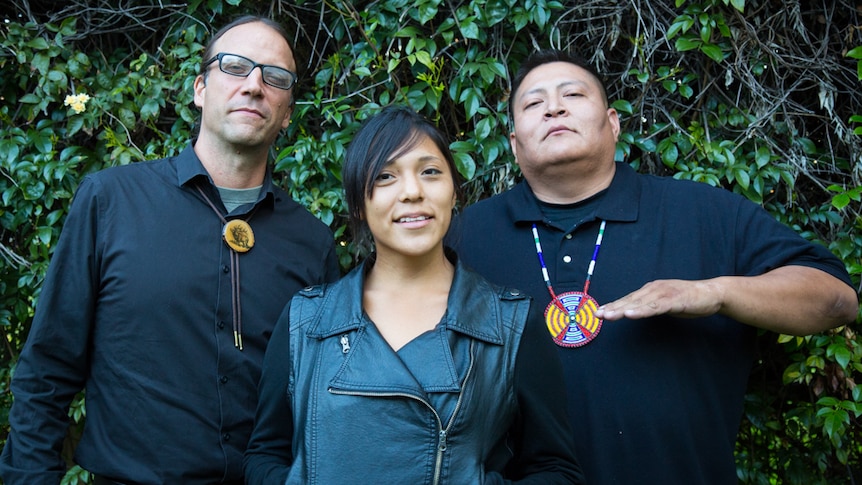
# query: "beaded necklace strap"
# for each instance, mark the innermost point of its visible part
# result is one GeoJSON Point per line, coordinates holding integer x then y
{"type": "Point", "coordinates": [590, 268]}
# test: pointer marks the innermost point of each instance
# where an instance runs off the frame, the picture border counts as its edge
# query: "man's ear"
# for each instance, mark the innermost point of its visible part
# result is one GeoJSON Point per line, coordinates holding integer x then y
{"type": "Point", "coordinates": [513, 145]}
{"type": "Point", "coordinates": [614, 118]}
{"type": "Point", "coordinates": [200, 87]}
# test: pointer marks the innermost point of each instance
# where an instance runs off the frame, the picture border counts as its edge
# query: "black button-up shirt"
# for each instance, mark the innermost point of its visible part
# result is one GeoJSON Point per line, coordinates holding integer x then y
{"type": "Point", "coordinates": [136, 308]}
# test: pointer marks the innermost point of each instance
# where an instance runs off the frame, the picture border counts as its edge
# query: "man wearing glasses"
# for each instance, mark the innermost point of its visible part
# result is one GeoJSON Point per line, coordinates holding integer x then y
{"type": "Point", "coordinates": [164, 288]}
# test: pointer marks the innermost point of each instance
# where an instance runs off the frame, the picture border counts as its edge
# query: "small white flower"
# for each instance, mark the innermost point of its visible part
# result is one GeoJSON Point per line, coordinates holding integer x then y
{"type": "Point", "coordinates": [78, 102]}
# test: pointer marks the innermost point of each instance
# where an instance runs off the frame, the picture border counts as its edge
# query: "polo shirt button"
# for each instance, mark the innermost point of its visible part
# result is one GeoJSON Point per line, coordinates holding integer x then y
{"type": "Point", "coordinates": [220, 324]}
{"type": "Point", "coordinates": [225, 268]}
{"type": "Point", "coordinates": [569, 236]}
{"type": "Point", "coordinates": [567, 259]}
{"type": "Point", "coordinates": [226, 436]}
{"type": "Point", "coordinates": [223, 379]}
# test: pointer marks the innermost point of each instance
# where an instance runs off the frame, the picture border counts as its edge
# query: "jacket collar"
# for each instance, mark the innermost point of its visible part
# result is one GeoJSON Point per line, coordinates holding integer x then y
{"type": "Point", "coordinates": [371, 366]}
{"type": "Point", "coordinates": [473, 308]}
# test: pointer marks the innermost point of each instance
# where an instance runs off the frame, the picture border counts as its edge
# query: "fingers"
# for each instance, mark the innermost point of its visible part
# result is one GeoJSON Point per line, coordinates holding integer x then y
{"type": "Point", "coordinates": [676, 297]}
{"type": "Point", "coordinates": [632, 306]}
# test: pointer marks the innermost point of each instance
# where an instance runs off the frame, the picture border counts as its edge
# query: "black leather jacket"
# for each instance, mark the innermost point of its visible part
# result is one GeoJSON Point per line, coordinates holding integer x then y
{"type": "Point", "coordinates": [445, 411]}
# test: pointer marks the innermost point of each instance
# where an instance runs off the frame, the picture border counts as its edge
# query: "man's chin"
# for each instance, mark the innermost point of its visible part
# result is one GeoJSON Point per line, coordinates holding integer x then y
{"type": "Point", "coordinates": [249, 138]}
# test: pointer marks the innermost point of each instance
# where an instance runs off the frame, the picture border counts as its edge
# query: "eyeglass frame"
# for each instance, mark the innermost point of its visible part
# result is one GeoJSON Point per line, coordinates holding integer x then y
{"type": "Point", "coordinates": [254, 65]}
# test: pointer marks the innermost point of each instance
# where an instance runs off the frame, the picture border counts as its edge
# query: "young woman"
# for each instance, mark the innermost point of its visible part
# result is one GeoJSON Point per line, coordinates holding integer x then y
{"type": "Point", "coordinates": [411, 369]}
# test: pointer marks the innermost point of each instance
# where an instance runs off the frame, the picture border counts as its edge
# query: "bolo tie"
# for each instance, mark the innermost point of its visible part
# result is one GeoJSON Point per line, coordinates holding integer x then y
{"type": "Point", "coordinates": [238, 236]}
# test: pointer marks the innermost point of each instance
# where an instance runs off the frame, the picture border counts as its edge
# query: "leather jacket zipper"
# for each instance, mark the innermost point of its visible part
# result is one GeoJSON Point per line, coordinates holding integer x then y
{"type": "Point", "coordinates": [442, 434]}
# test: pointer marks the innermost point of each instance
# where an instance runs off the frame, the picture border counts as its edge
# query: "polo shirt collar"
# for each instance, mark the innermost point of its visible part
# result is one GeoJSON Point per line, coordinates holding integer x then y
{"type": "Point", "coordinates": [620, 203]}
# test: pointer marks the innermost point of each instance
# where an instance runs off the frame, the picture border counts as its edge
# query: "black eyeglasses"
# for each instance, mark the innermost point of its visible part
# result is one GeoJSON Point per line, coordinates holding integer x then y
{"type": "Point", "coordinates": [240, 66]}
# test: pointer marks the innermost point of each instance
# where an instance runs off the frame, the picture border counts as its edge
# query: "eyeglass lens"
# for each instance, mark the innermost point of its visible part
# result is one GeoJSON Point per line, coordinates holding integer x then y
{"type": "Point", "coordinates": [237, 65]}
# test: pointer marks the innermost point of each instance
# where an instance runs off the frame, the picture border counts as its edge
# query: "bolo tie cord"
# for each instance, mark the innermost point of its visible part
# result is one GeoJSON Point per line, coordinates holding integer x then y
{"type": "Point", "coordinates": [236, 302]}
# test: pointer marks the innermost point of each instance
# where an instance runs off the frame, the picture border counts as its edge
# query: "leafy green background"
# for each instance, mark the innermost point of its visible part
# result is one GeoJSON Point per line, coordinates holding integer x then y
{"type": "Point", "coordinates": [760, 97]}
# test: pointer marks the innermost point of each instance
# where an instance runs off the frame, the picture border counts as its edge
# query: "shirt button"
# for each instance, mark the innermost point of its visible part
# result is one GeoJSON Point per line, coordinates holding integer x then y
{"type": "Point", "coordinates": [226, 436]}
{"type": "Point", "coordinates": [567, 259]}
{"type": "Point", "coordinates": [220, 324]}
{"type": "Point", "coordinates": [223, 379]}
{"type": "Point", "coordinates": [225, 268]}
{"type": "Point", "coordinates": [568, 236]}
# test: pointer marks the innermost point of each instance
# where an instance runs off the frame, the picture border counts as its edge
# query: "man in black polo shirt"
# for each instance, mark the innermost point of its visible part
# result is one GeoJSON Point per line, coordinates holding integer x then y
{"type": "Point", "coordinates": [667, 281]}
{"type": "Point", "coordinates": [165, 287]}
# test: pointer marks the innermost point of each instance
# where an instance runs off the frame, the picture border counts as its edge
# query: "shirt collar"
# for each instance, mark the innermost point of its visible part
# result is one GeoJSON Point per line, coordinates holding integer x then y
{"type": "Point", "coordinates": [620, 203]}
{"type": "Point", "coordinates": [189, 168]}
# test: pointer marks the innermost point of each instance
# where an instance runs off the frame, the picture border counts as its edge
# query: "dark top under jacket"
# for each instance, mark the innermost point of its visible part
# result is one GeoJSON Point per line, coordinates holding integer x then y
{"type": "Point", "coordinates": [136, 308]}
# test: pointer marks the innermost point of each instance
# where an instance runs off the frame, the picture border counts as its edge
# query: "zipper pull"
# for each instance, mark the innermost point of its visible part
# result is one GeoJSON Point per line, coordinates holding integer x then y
{"type": "Point", "coordinates": [345, 344]}
{"type": "Point", "coordinates": [441, 446]}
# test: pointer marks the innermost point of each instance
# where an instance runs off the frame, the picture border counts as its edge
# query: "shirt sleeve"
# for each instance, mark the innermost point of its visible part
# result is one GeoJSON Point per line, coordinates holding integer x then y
{"type": "Point", "coordinates": [763, 244]}
{"type": "Point", "coordinates": [52, 367]}
{"type": "Point", "coordinates": [269, 454]}
{"type": "Point", "coordinates": [541, 435]}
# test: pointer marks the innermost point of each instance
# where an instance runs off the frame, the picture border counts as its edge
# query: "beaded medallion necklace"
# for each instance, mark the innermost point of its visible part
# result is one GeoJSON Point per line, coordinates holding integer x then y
{"type": "Point", "coordinates": [570, 316]}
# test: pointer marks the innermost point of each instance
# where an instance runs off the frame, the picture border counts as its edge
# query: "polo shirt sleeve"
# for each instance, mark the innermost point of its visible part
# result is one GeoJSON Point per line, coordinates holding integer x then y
{"type": "Point", "coordinates": [763, 244]}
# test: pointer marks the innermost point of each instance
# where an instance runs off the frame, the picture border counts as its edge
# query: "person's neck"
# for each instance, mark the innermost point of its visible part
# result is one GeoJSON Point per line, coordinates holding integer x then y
{"type": "Point", "coordinates": [393, 286]}
{"type": "Point", "coordinates": [232, 167]}
{"type": "Point", "coordinates": [567, 184]}
{"type": "Point", "coordinates": [400, 274]}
